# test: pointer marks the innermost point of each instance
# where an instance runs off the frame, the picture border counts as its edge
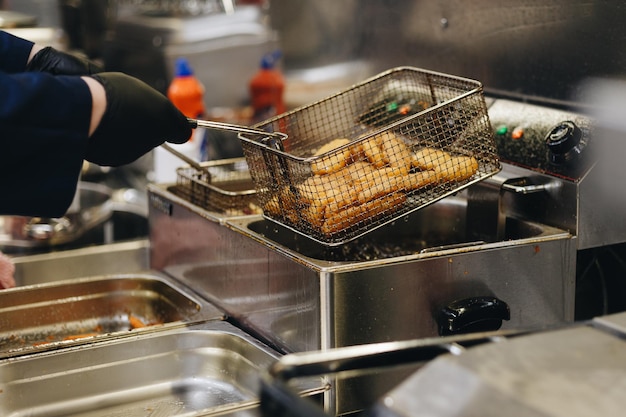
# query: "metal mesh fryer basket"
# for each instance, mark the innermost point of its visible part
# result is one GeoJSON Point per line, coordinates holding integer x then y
{"type": "Point", "coordinates": [224, 186]}
{"type": "Point", "coordinates": [372, 153]}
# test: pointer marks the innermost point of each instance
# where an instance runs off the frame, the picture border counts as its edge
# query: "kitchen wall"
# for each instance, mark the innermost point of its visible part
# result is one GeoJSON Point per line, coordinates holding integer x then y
{"type": "Point", "coordinates": [533, 48]}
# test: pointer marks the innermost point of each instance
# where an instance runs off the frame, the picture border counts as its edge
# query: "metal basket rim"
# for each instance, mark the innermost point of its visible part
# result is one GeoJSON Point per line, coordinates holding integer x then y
{"type": "Point", "coordinates": [477, 90]}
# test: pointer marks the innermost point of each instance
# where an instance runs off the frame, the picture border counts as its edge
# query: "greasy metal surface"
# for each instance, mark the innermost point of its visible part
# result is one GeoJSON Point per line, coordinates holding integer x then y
{"type": "Point", "coordinates": [575, 371]}
{"type": "Point", "coordinates": [84, 310]}
{"type": "Point", "coordinates": [206, 369]}
{"type": "Point", "coordinates": [386, 119]}
{"type": "Point", "coordinates": [299, 303]}
{"type": "Point", "coordinates": [395, 359]}
{"type": "Point", "coordinates": [95, 207]}
{"type": "Point", "coordinates": [115, 258]}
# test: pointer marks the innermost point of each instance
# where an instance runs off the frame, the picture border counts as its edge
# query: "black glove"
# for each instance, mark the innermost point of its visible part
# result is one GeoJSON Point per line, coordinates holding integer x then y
{"type": "Point", "coordinates": [137, 119]}
{"type": "Point", "coordinates": [56, 62]}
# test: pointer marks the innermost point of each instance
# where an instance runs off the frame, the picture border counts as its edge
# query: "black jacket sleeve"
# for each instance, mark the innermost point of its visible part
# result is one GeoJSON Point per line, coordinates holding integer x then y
{"type": "Point", "coordinates": [44, 124]}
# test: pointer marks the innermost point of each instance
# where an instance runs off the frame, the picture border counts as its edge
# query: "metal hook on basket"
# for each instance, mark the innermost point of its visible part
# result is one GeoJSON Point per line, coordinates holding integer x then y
{"type": "Point", "coordinates": [271, 139]}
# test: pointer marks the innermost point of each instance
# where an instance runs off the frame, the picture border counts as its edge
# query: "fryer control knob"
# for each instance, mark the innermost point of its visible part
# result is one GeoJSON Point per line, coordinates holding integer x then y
{"type": "Point", "coordinates": [474, 314]}
{"type": "Point", "coordinates": [563, 142]}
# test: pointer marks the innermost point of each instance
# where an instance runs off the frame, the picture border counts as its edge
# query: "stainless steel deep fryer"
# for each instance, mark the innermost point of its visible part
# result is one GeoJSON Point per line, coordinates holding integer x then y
{"type": "Point", "coordinates": [404, 139]}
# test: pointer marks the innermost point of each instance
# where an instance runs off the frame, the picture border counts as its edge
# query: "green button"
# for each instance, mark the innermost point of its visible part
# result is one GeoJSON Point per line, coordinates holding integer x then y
{"type": "Point", "coordinates": [392, 107]}
{"type": "Point", "coordinates": [502, 130]}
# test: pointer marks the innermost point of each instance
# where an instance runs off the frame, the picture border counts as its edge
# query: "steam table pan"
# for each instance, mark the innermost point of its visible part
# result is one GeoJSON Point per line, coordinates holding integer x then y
{"type": "Point", "coordinates": [206, 369]}
{"type": "Point", "coordinates": [49, 316]}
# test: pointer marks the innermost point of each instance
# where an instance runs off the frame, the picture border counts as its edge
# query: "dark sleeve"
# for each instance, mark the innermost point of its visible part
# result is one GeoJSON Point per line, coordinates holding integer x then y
{"type": "Point", "coordinates": [44, 123]}
{"type": "Point", "coordinates": [14, 52]}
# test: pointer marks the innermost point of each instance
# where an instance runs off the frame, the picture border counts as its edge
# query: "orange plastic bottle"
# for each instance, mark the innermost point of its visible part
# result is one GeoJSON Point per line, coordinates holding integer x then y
{"type": "Point", "coordinates": [186, 92]}
{"type": "Point", "coordinates": [266, 89]}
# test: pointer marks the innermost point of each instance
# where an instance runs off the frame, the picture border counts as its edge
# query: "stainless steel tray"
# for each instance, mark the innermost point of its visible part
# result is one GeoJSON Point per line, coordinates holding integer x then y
{"type": "Point", "coordinates": [206, 369]}
{"type": "Point", "coordinates": [65, 313]}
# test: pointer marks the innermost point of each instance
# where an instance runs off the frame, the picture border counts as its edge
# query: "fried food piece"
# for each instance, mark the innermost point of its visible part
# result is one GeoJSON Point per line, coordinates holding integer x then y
{"type": "Point", "coordinates": [417, 180]}
{"type": "Point", "coordinates": [466, 166]}
{"type": "Point", "coordinates": [449, 168]}
{"type": "Point", "coordinates": [334, 194]}
{"type": "Point", "coordinates": [358, 171]}
{"type": "Point", "coordinates": [388, 180]}
{"type": "Point", "coordinates": [352, 215]}
{"type": "Point", "coordinates": [323, 189]}
{"type": "Point", "coordinates": [430, 159]}
{"type": "Point", "coordinates": [372, 150]}
{"type": "Point", "coordinates": [457, 168]}
{"type": "Point", "coordinates": [397, 154]}
{"type": "Point", "coordinates": [280, 203]}
{"type": "Point", "coordinates": [135, 322]}
{"type": "Point", "coordinates": [333, 162]}
{"type": "Point", "coordinates": [80, 336]}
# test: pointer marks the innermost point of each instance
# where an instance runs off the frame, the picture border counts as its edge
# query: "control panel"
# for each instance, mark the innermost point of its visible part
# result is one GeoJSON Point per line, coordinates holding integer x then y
{"type": "Point", "coordinates": [541, 138]}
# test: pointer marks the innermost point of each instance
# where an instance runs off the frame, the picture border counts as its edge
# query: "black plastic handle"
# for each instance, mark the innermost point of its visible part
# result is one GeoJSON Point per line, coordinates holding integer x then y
{"type": "Point", "coordinates": [474, 314]}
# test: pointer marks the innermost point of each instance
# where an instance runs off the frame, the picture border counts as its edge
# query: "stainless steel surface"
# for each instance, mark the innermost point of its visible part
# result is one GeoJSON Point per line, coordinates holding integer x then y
{"type": "Point", "coordinates": [18, 232]}
{"type": "Point", "coordinates": [397, 359]}
{"type": "Point", "coordinates": [567, 196]}
{"type": "Point", "coordinates": [85, 310]}
{"type": "Point", "coordinates": [208, 369]}
{"type": "Point", "coordinates": [516, 47]}
{"type": "Point", "coordinates": [385, 119]}
{"type": "Point", "coordinates": [280, 287]}
{"type": "Point", "coordinates": [116, 258]}
{"type": "Point", "coordinates": [575, 371]}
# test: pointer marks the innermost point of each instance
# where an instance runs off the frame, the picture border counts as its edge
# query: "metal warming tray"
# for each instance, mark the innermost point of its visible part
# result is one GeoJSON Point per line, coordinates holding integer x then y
{"type": "Point", "coordinates": [206, 369]}
{"type": "Point", "coordinates": [372, 153]}
{"type": "Point", "coordinates": [49, 316]}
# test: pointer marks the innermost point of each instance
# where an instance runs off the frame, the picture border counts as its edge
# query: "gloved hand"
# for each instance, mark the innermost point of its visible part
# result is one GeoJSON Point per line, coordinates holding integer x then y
{"type": "Point", "coordinates": [137, 119]}
{"type": "Point", "coordinates": [56, 62]}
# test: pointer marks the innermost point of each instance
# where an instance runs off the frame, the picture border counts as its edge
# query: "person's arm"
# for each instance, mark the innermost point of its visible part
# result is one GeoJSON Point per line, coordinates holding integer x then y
{"type": "Point", "coordinates": [44, 125]}
{"type": "Point", "coordinates": [17, 55]}
{"type": "Point", "coordinates": [15, 52]}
